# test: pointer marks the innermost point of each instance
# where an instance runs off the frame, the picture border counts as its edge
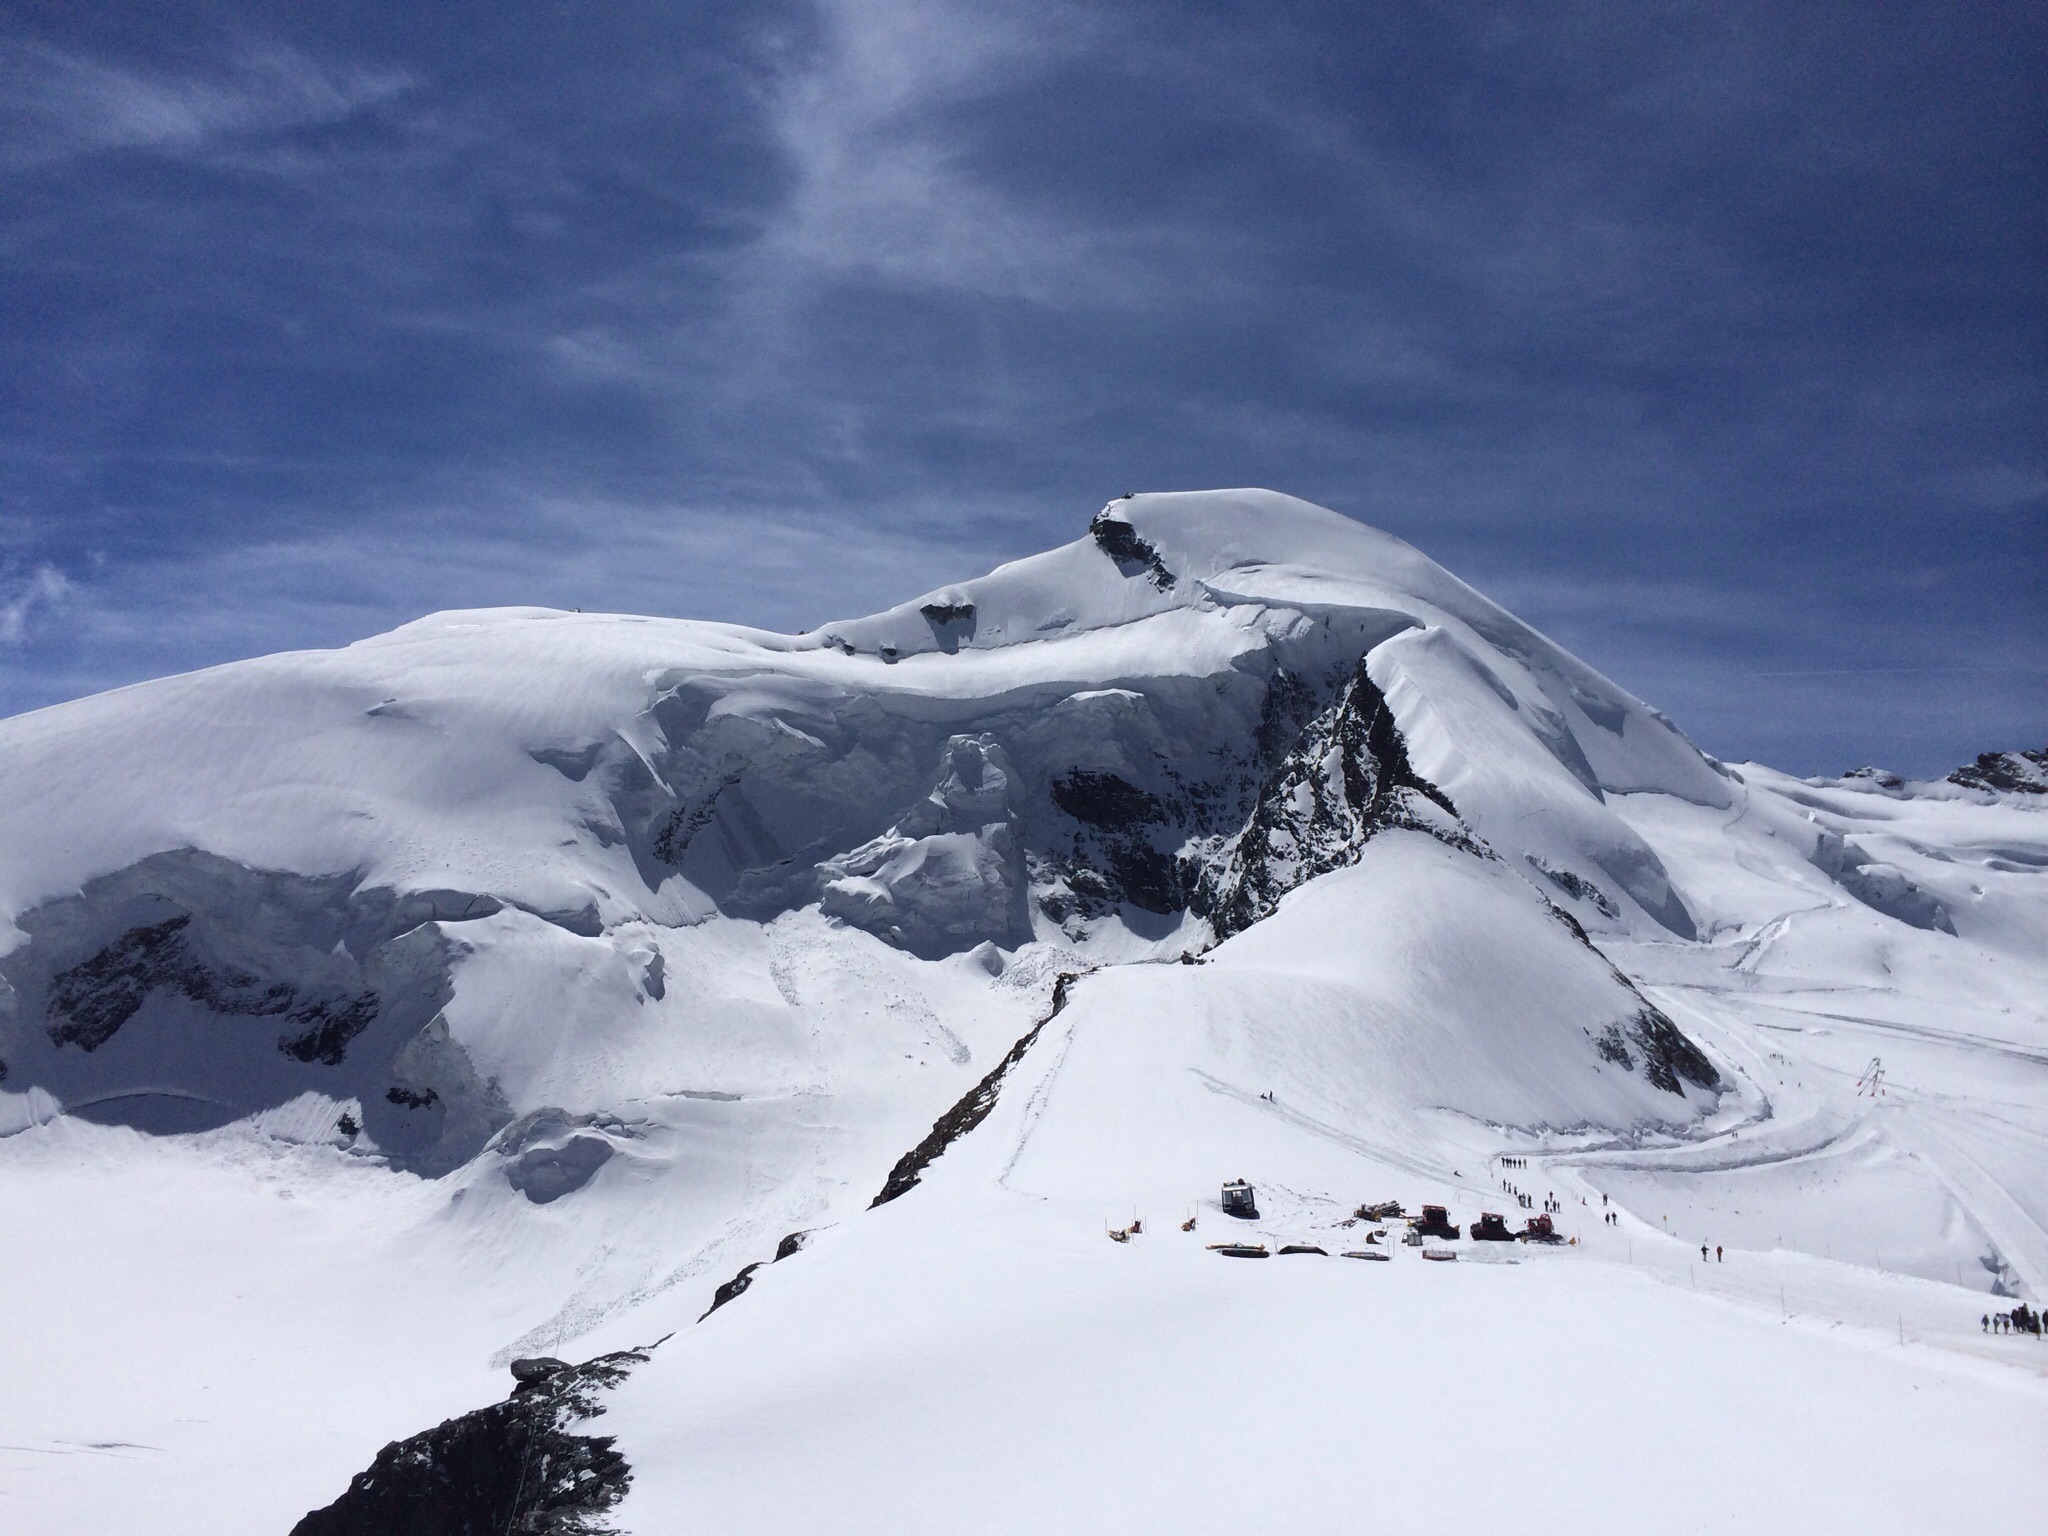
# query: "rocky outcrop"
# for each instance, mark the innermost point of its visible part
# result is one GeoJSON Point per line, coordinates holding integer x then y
{"type": "Point", "coordinates": [972, 1109]}
{"type": "Point", "coordinates": [516, 1466]}
{"type": "Point", "coordinates": [1118, 842]}
{"type": "Point", "coordinates": [1576, 886]}
{"type": "Point", "coordinates": [1345, 779]}
{"type": "Point", "coordinates": [187, 990]}
{"type": "Point", "coordinates": [732, 1289]}
{"type": "Point", "coordinates": [2016, 773]}
{"type": "Point", "coordinates": [1133, 554]}
{"type": "Point", "coordinates": [1670, 1059]}
{"type": "Point", "coordinates": [91, 1000]}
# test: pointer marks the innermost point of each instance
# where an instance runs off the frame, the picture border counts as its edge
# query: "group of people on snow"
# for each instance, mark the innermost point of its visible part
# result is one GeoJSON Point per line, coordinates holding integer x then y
{"type": "Point", "coordinates": [2021, 1319]}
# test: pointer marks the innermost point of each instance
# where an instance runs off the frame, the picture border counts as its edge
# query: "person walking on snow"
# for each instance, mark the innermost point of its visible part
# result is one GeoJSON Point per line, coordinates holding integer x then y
{"type": "Point", "coordinates": [1717, 1253]}
{"type": "Point", "coordinates": [1703, 1253]}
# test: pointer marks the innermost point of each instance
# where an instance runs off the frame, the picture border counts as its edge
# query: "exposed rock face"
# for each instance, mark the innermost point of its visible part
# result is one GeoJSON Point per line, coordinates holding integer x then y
{"type": "Point", "coordinates": [1669, 1057]}
{"type": "Point", "coordinates": [1119, 841]}
{"type": "Point", "coordinates": [187, 990]}
{"type": "Point", "coordinates": [964, 1116]}
{"type": "Point", "coordinates": [1346, 778]}
{"type": "Point", "coordinates": [732, 1289]}
{"type": "Point", "coordinates": [512, 1467]}
{"type": "Point", "coordinates": [2022, 773]}
{"type": "Point", "coordinates": [1576, 886]}
{"type": "Point", "coordinates": [1133, 555]}
{"type": "Point", "coordinates": [89, 1001]}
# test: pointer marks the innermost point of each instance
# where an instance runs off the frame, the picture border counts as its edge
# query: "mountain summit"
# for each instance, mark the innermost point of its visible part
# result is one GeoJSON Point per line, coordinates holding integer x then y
{"type": "Point", "coordinates": [565, 970]}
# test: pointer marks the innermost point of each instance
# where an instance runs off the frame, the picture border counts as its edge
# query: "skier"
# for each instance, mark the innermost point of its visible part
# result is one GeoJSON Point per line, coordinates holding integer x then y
{"type": "Point", "coordinates": [1985, 1322]}
{"type": "Point", "coordinates": [1717, 1253]}
{"type": "Point", "coordinates": [1703, 1253]}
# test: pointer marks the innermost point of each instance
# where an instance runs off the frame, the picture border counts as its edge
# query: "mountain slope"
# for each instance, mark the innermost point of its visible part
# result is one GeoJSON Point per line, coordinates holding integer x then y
{"type": "Point", "coordinates": [546, 977]}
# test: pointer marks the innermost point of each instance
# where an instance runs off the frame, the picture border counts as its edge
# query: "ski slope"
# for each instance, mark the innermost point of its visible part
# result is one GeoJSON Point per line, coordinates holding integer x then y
{"type": "Point", "coordinates": [505, 985]}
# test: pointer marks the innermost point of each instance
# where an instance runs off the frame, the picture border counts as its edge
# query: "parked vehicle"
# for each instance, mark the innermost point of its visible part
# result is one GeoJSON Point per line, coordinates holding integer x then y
{"type": "Point", "coordinates": [1434, 1221]}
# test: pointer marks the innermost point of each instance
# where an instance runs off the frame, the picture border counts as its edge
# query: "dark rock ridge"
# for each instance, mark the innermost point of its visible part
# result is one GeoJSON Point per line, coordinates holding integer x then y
{"type": "Point", "coordinates": [94, 998]}
{"type": "Point", "coordinates": [2023, 773]}
{"type": "Point", "coordinates": [1132, 552]}
{"type": "Point", "coordinates": [1118, 857]}
{"type": "Point", "coordinates": [512, 1467]}
{"type": "Point", "coordinates": [791, 1245]}
{"type": "Point", "coordinates": [1670, 1059]}
{"type": "Point", "coordinates": [964, 1116]}
{"type": "Point", "coordinates": [1669, 1056]}
{"type": "Point", "coordinates": [1345, 779]}
{"type": "Point", "coordinates": [1576, 886]}
{"type": "Point", "coordinates": [732, 1288]}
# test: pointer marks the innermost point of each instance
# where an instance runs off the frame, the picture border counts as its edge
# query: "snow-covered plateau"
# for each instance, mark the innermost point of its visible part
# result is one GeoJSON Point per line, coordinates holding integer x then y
{"type": "Point", "coordinates": [867, 1021]}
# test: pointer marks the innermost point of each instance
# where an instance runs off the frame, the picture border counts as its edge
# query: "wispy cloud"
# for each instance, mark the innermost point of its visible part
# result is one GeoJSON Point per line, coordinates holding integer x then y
{"type": "Point", "coordinates": [1699, 337]}
{"type": "Point", "coordinates": [61, 104]}
{"type": "Point", "coordinates": [22, 597]}
{"type": "Point", "coordinates": [881, 194]}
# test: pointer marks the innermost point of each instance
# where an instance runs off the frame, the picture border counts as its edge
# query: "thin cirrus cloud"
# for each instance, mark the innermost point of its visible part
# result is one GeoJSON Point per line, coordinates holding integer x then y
{"type": "Point", "coordinates": [63, 104]}
{"type": "Point", "coordinates": [1700, 335]}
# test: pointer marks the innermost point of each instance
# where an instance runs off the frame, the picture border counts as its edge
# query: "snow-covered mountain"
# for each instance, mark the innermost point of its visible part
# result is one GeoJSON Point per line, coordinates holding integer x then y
{"type": "Point", "coordinates": [521, 983]}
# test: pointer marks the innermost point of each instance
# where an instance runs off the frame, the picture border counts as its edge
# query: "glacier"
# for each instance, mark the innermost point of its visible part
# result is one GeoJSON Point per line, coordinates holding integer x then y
{"type": "Point", "coordinates": [516, 983]}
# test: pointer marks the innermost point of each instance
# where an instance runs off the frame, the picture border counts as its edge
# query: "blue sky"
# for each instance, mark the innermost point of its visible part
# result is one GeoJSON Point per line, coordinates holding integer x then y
{"type": "Point", "coordinates": [1709, 338]}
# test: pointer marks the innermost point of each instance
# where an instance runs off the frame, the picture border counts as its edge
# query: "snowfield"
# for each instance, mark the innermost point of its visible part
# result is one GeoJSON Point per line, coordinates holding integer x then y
{"type": "Point", "coordinates": [513, 984]}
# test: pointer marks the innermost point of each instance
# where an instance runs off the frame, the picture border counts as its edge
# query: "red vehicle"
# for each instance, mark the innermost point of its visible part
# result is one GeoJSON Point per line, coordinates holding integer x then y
{"type": "Point", "coordinates": [1435, 1221]}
